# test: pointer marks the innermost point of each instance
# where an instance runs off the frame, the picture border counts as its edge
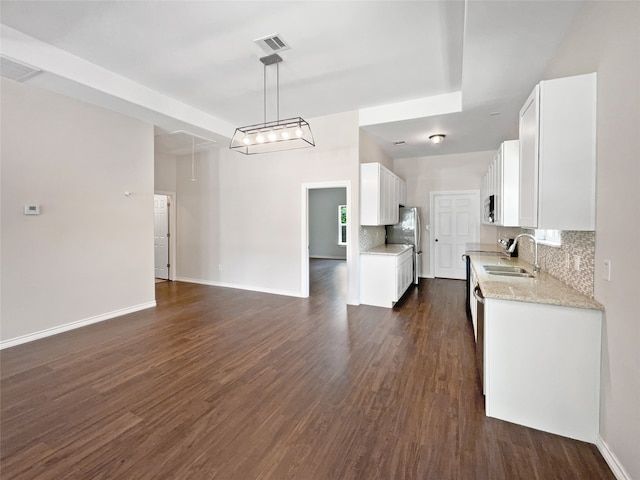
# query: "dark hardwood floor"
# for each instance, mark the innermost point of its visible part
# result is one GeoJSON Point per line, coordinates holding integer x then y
{"type": "Point", "coordinates": [229, 384]}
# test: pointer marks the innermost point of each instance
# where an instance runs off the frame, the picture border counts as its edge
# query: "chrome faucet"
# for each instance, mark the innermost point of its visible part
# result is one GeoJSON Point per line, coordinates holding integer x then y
{"type": "Point", "coordinates": [536, 267]}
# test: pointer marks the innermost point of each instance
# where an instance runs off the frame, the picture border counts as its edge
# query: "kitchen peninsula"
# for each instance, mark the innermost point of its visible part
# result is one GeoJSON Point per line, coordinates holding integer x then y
{"type": "Point", "coordinates": [541, 341]}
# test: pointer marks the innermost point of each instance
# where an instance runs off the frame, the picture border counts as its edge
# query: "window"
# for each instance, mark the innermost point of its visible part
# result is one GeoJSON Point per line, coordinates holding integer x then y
{"type": "Point", "coordinates": [552, 238]}
{"type": "Point", "coordinates": [342, 224]}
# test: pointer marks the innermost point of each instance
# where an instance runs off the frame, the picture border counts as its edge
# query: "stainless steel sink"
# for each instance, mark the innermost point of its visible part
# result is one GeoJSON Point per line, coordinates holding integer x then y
{"type": "Point", "coordinates": [503, 269]}
{"type": "Point", "coordinates": [512, 274]}
{"type": "Point", "coordinates": [507, 271]}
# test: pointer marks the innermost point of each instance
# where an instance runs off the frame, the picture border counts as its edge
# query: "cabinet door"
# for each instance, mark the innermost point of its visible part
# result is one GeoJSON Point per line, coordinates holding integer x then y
{"type": "Point", "coordinates": [528, 163]}
{"type": "Point", "coordinates": [392, 204]}
{"type": "Point", "coordinates": [509, 172]}
{"type": "Point", "coordinates": [404, 273]}
{"type": "Point", "coordinates": [385, 197]}
{"type": "Point", "coordinates": [497, 191]}
{"type": "Point", "coordinates": [370, 194]}
{"type": "Point", "coordinates": [567, 159]}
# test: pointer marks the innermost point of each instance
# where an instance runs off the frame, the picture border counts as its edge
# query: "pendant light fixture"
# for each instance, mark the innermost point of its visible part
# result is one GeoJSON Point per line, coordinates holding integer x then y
{"type": "Point", "coordinates": [273, 136]}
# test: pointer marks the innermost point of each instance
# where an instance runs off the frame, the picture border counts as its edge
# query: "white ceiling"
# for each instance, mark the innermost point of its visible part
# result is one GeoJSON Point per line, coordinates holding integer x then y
{"type": "Point", "coordinates": [202, 72]}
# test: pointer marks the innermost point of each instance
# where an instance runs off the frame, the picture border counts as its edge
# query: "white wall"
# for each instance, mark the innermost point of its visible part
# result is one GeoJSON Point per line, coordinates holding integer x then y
{"type": "Point", "coordinates": [323, 223]}
{"type": "Point", "coordinates": [370, 152]}
{"type": "Point", "coordinates": [198, 217]}
{"type": "Point", "coordinates": [164, 172]}
{"type": "Point", "coordinates": [245, 214]}
{"type": "Point", "coordinates": [424, 175]}
{"type": "Point", "coordinates": [605, 38]}
{"type": "Point", "coordinates": [89, 255]}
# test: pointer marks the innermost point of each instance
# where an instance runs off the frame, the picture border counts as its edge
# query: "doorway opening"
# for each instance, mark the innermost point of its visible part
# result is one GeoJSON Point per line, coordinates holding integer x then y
{"type": "Point", "coordinates": [163, 238]}
{"type": "Point", "coordinates": [328, 242]}
{"type": "Point", "coordinates": [326, 263]}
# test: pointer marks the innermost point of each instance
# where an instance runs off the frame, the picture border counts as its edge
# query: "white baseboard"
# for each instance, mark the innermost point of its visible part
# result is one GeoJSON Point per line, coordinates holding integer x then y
{"type": "Point", "coordinates": [30, 337]}
{"type": "Point", "coordinates": [252, 288]}
{"type": "Point", "coordinates": [613, 462]}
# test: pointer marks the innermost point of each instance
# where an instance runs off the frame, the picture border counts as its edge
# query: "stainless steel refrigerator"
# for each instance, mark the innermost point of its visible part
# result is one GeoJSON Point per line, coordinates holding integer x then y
{"type": "Point", "coordinates": [407, 232]}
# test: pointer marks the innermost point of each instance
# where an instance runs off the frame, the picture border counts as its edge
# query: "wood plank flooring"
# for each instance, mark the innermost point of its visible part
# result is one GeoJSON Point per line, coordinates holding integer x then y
{"type": "Point", "coordinates": [229, 384]}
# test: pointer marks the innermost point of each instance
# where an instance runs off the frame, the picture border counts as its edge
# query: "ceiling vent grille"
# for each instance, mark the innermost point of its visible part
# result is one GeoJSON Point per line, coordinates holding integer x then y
{"type": "Point", "coordinates": [272, 43]}
{"type": "Point", "coordinates": [17, 71]}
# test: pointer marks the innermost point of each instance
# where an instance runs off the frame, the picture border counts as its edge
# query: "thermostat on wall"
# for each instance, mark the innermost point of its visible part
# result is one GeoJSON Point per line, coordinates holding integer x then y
{"type": "Point", "coordinates": [32, 209]}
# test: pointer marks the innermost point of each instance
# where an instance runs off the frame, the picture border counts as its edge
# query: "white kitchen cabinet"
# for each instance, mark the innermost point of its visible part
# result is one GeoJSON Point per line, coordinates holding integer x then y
{"type": "Point", "coordinates": [558, 155]}
{"type": "Point", "coordinates": [501, 181]}
{"type": "Point", "coordinates": [507, 180]}
{"type": "Point", "coordinates": [542, 366]}
{"type": "Point", "coordinates": [385, 277]}
{"type": "Point", "coordinates": [381, 193]}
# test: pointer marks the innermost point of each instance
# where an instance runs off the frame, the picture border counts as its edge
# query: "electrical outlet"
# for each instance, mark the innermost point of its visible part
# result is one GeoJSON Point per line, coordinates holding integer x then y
{"type": "Point", "coordinates": [576, 263]}
{"type": "Point", "coordinates": [606, 274]}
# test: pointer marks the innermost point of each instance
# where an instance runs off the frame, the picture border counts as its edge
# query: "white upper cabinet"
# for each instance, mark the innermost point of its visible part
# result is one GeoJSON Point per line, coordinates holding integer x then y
{"type": "Point", "coordinates": [501, 181]}
{"type": "Point", "coordinates": [506, 174]}
{"type": "Point", "coordinates": [381, 194]}
{"type": "Point", "coordinates": [558, 155]}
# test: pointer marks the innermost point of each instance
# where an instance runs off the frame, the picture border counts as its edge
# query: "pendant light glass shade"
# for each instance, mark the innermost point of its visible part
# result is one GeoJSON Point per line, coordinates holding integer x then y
{"type": "Point", "coordinates": [268, 137]}
{"type": "Point", "coordinates": [275, 136]}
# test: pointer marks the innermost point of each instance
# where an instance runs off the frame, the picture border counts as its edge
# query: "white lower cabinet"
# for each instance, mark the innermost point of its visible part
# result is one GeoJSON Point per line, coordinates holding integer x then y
{"type": "Point", "coordinates": [385, 278]}
{"type": "Point", "coordinates": [542, 366]}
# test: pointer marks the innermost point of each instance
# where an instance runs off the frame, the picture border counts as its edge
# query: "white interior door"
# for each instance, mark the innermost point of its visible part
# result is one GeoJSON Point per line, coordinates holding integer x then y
{"type": "Point", "coordinates": [456, 223]}
{"type": "Point", "coordinates": [161, 236]}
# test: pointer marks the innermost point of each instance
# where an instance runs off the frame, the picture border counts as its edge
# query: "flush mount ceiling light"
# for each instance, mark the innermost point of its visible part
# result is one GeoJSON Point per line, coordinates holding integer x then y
{"type": "Point", "coordinates": [273, 136]}
{"type": "Point", "coordinates": [437, 138]}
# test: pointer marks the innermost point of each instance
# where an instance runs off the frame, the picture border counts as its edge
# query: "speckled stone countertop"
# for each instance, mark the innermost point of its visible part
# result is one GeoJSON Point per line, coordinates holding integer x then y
{"type": "Point", "coordinates": [388, 249]}
{"type": "Point", "coordinates": [543, 288]}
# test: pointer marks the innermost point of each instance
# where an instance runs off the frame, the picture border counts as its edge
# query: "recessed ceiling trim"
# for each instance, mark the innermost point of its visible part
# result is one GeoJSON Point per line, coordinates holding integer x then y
{"type": "Point", "coordinates": [15, 70]}
{"type": "Point", "coordinates": [200, 141]}
{"type": "Point", "coordinates": [419, 108]}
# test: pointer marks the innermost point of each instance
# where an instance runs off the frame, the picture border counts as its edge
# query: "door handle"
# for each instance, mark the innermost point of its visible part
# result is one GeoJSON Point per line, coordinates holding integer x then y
{"type": "Point", "coordinates": [436, 239]}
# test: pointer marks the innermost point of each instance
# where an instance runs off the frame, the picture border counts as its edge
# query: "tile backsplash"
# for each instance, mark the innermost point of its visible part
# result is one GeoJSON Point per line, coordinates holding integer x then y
{"type": "Point", "coordinates": [372, 237]}
{"type": "Point", "coordinates": [560, 262]}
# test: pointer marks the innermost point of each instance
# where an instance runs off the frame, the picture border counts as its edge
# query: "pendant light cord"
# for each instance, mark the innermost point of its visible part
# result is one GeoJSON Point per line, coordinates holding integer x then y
{"type": "Point", "coordinates": [264, 77]}
{"type": "Point", "coordinates": [278, 91]}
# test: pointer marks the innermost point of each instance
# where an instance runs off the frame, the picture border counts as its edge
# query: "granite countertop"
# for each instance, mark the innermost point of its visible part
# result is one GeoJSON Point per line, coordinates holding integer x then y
{"type": "Point", "coordinates": [388, 249]}
{"type": "Point", "coordinates": [543, 288]}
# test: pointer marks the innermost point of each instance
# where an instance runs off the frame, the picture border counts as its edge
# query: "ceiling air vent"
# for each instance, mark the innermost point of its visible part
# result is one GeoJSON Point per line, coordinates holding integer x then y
{"type": "Point", "coordinates": [272, 43]}
{"type": "Point", "coordinates": [17, 71]}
